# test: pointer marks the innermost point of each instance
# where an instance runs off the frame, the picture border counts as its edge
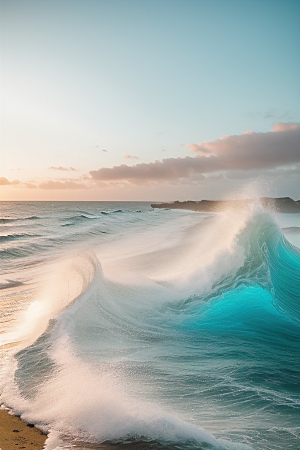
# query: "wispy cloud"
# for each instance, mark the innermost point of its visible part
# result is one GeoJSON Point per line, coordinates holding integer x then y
{"type": "Point", "coordinates": [62, 185]}
{"type": "Point", "coordinates": [130, 156]}
{"type": "Point", "coordinates": [30, 186]}
{"type": "Point", "coordinates": [63, 168]}
{"type": "Point", "coordinates": [272, 113]}
{"type": "Point", "coordinates": [50, 184]}
{"type": "Point", "coordinates": [247, 151]}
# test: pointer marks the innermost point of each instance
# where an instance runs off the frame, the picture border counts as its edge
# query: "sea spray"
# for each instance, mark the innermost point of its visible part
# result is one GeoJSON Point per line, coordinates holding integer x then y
{"type": "Point", "coordinates": [69, 280]}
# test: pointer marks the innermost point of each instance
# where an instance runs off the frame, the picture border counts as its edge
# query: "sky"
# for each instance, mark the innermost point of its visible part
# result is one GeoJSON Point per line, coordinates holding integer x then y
{"type": "Point", "coordinates": [151, 100]}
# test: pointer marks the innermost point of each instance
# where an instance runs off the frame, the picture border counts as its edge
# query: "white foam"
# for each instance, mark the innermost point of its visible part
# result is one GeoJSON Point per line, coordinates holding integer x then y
{"type": "Point", "coordinates": [204, 253]}
{"type": "Point", "coordinates": [69, 280]}
{"type": "Point", "coordinates": [93, 406]}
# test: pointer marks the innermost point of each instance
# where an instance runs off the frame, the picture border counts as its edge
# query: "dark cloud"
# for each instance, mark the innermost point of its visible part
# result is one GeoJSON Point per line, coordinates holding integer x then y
{"type": "Point", "coordinates": [246, 152]}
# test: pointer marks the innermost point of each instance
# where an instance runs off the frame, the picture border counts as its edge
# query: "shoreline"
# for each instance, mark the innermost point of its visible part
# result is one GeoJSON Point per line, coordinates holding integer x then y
{"type": "Point", "coordinates": [278, 205]}
{"type": "Point", "coordinates": [17, 434]}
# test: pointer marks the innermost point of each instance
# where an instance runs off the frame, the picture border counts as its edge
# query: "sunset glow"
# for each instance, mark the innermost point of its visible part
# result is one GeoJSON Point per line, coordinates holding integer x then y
{"type": "Point", "coordinates": [143, 100]}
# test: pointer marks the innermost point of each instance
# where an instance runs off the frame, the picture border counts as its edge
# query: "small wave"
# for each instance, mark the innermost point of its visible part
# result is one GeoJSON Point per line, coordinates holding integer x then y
{"type": "Point", "coordinates": [32, 218]}
{"type": "Point", "coordinates": [67, 224]}
{"type": "Point", "coordinates": [14, 252]}
{"type": "Point", "coordinates": [7, 220]}
{"type": "Point", "coordinates": [82, 217]}
{"type": "Point", "coordinates": [22, 251]}
{"type": "Point", "coordinates": [12, 237]}
{"type": "Point", "coordinates": [96, 232]}
{"type": "Point", "coordinates": [10, 219]}
{"type": "Point", "coordinates": [85, 213]}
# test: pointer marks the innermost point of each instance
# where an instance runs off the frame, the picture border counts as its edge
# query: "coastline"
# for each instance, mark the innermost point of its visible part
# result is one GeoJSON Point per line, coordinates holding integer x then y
{"type": "Point", "coordinates": [16, 434]}
{"type": "Point", "coordinates": [279, 205]}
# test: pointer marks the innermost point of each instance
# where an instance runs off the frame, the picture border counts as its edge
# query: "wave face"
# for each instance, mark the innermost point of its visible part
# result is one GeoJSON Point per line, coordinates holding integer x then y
{"type": "Point", "coordinates": [152, 329]}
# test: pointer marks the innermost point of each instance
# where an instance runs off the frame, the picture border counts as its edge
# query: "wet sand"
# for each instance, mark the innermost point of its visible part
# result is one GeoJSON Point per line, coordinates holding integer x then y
{"type": "Point", "coordinates": [16, 434]}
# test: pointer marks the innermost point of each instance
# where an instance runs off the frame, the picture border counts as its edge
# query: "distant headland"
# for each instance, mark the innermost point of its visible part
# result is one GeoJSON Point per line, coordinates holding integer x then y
{"type": "Point", "coordinates": [280, 205]}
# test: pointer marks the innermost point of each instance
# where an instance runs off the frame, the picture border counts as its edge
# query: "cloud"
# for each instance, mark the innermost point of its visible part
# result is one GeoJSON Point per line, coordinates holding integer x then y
{"type": "Point", "coordinates": [130, 156]}
{"type": "Point", "coordinates": [63, 168]}
{"type": "Point", "coordinates": [201, 151]}
{"type": "Point", "coordinates": [62, 185]}
{"type": "Point", "coordinates": [272, 114]}
{"type": "Point", "coordinates": [285, 126]}
{"type": "Point", "coordinates": [30, 186]}
{"type": "Point", "coordinates": [4, 182]}
{"type": "Point", "coordinates": [249, 150]}
{"type": "Point", "coordinates": [167, 169]}
{"type": "Point", "coordinates": [246, 152]}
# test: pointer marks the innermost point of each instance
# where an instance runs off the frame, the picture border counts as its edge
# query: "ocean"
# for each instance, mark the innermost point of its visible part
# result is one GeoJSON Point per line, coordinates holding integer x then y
{"type": "Point", "coordinates": [127, 327]}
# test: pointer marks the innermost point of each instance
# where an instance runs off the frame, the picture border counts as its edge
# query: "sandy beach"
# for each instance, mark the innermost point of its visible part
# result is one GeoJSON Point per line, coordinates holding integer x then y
{"type": "Point", "coordinates": [16, 434]}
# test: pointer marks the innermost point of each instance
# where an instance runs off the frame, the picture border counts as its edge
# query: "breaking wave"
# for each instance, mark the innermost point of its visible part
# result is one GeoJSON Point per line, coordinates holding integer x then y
{"type": "Point", "coordinates": [151, 343]}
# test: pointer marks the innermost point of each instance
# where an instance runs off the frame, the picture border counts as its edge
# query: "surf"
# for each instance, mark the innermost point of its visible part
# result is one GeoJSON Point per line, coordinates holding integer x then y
{"type": "Point", "coordinates": [153, 338]}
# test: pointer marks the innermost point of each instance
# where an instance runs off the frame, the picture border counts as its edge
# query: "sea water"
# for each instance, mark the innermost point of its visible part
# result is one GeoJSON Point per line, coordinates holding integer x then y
{"type": "Point", "coordinates": [128, 327]}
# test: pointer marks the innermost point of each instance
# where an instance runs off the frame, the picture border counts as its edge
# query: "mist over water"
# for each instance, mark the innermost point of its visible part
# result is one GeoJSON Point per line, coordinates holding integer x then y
{"type": "Point", "coordinates": [128, 327]}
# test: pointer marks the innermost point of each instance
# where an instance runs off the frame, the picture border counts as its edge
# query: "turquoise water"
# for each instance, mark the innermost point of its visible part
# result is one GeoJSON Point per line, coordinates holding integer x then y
{"type": "Point", "coordinates": [151, 329]}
